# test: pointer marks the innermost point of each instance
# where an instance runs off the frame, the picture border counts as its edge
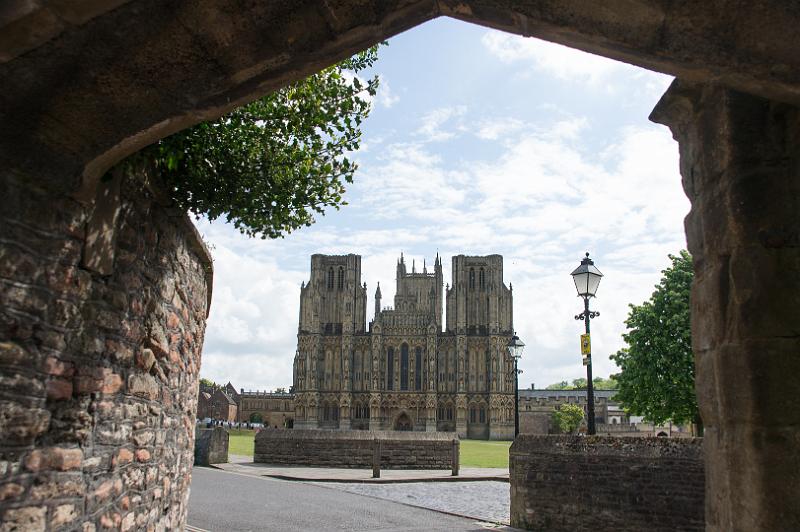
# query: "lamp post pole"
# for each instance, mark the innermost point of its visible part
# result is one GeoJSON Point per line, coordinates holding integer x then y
{"type": "Point", "coordinates": [516, 399]}
{"type": "Point", "coordinates": [515, 347]}
{"type": "Point", "coordinates": [587, 279]}
{"type": "Point", "coordinates": [589, 385]}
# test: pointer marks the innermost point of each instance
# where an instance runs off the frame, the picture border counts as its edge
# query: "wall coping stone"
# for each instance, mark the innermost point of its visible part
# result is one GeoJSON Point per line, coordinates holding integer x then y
{"type": "Point", "coordinates": [382, 435]}
{"type": "Point", "coordinates": [652, 447]}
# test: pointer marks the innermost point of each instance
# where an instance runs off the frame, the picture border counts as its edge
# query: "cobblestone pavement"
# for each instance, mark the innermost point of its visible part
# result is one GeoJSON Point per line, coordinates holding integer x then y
{"type": "Point", "coordinates": [484, 500]}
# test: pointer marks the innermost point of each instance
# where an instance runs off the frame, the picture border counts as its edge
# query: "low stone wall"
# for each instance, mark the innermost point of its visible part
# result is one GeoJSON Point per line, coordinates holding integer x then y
{"type": "Point", "coordinates": [211, 446]}
{"type": "Point", "coordinates": [354, 448]}
{"type": "Point", "coordinates": [575, 483]}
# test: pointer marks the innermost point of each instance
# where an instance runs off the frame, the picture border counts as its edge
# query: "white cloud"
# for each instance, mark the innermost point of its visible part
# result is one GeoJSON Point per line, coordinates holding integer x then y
{"type": "Point", "coordinates": [386, 97]}
{"type": "Point", "coordinates": [496, 128]}
{"type": "Point", "coordinates": [572, 65]}
{"type": "Point", "coordinates": [432, 122]}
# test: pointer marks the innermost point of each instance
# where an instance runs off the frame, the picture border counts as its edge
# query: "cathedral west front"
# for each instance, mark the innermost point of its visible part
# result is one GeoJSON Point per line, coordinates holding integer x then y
{"type": "Point", "coordinates": [407, 369]}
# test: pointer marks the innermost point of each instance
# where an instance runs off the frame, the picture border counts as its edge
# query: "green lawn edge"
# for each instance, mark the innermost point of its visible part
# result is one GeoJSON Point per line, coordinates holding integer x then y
{"type": "Point", "coordinates": [474, 453]}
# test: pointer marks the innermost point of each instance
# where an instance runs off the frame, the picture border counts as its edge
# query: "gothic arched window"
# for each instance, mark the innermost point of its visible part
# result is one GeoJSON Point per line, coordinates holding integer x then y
{"type": "Point", "coordinates": [404, 367]}
{"type": "Point", "coordinates": [330, 278]}
{"type": "Point", "coordinates": [482, 279]}
{"type": "Point", "coordinates": [390, 369]}
{"type": "Point", "coordinates": [418, 369]}
{"type": "Point", "coordinates": [341, 278]}
{"type": "Point", "coordinates": [472, 278]}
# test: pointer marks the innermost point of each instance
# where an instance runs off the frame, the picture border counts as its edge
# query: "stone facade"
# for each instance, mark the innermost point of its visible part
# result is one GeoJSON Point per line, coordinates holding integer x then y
{"type": "Point", "coordinates": [404, 372]}
{"type": "Point", "coordinates": [355, 449]}
{"type": "Point", "coordinates": [576, 484]}
{"type": "Point", "coordinates": [273, 409]}
{"type": "Point", "coordinates": [222, 406]}
{"type": "Point", "coordinates": [101, 328]}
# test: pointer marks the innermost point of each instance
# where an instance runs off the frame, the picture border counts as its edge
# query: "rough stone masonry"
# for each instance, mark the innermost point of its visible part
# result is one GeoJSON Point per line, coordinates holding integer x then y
{"type": "Point", "coordinates": [102, 323]}
{"type": "Point", "coordinates": [354, 448]}
{"type": "Point", "coordinates": [576, 483]}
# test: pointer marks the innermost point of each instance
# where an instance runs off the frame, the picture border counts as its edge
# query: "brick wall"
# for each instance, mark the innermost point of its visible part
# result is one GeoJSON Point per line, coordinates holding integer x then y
{"type": "Point", "coordinates": [354, 449]}
{"type": "Point", "coordinates": [574, 483]}
{"type": "Point", "coordinates": [103, 313]}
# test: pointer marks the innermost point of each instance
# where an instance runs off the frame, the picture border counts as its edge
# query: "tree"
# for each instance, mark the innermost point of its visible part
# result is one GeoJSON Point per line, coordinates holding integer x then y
{"type": "Point", "coordinates": [270, 165]}
{"type": "Point", "coordinates": [580, 384]}
{"type": "Point", "coordinates": [600, 383]}
{"type": "Point", "coordinates": [207, 383]}
{"type": "Point", "coordinates": [656, 378]}
{"type": "Point", "coordinates": [568, 417]}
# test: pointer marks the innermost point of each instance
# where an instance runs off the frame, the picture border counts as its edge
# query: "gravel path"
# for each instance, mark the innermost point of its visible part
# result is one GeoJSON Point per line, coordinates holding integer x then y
{"type": "Point", "coordinates": [484, 500]}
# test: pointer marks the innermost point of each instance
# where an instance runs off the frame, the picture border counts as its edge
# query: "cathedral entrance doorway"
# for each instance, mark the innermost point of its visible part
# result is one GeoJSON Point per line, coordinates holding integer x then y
{"type": "Point", "coordinates": [403, 422]}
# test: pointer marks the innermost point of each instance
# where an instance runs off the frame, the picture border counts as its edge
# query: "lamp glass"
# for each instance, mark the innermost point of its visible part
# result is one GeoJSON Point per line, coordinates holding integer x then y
{"type": "Point", "coordinates": [587, 278]}
{"type": "Point", "coordinates": [515, 347]}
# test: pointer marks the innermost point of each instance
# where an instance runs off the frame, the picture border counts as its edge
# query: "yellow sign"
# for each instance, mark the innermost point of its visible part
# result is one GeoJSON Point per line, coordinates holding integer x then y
{"type": "Point", "coordinates": [586, 344]}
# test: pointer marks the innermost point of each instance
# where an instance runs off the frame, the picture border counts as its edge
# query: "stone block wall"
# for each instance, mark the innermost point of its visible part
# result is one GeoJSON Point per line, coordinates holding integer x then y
{"type": "Point", "coordinates": [354, 448]}
{"type": "Point", "coordinates": [211, 446]}
{"type": "Point", "coordinates": [575, 483]}
{"type": "Point", "coordinates": [104, 301]}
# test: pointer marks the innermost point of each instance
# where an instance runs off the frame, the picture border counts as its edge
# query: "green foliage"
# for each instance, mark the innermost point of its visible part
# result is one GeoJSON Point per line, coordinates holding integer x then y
{"type": "Point", "coordinates": [568, 417]}
{"type": "Point", "coordinates": [657, 368]}
{"type": "Point", "coordinates": [270, 165]}
{"type": "Point", "coordinates": [207, 383]}
{"type": "Point", "coordinates": [255, 417]}
{"type": "Point", "coordinates": [580, 384]}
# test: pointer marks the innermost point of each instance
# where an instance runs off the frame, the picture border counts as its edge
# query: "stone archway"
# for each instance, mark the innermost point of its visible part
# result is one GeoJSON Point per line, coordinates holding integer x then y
{"type": "Point", "coordinates": [403, 422]}
{"type": "Point", "coordinates": [158, 67]}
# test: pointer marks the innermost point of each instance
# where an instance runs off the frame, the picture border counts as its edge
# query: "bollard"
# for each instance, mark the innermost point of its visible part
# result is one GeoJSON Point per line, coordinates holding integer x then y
{"type": "Point", "coordinates": [455, 457]}
{"type": "Point", "coordinates": [376, 458]}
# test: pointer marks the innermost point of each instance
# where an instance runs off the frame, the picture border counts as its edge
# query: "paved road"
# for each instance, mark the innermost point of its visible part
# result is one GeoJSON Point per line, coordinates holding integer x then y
{"type": "Point", "coordinates": [221, 501]}
{"type": "Point", "coordinates": [484, 500]}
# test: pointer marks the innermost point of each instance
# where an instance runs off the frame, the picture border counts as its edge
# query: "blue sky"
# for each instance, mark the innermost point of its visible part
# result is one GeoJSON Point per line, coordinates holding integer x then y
{"type": "Point", "coordinates": [479, 142]}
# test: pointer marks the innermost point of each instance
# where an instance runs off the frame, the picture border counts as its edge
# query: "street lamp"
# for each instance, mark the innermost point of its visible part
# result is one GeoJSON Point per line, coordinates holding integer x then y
{"type": "Point", "coordinates": [587, 279]}
{"type": "Point", "coordinates": [515, 347]}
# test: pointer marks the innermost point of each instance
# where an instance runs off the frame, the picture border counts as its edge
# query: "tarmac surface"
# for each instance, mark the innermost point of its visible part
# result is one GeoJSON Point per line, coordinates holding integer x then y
{"type": "Point", "coordinates": [224, 500]}
{"type": "Point", "coordinates": [485, 501]}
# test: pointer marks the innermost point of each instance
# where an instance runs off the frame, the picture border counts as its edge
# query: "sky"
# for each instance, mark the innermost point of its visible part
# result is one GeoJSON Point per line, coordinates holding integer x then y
{"type": "Point", "coordinates": [479, 142]}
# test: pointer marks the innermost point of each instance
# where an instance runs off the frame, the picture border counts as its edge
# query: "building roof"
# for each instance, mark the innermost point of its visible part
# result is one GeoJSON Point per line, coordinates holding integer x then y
{"type": "Point", "coordinates": [225, 396]}
{"type": "Point", "coordinates": [559, 394]}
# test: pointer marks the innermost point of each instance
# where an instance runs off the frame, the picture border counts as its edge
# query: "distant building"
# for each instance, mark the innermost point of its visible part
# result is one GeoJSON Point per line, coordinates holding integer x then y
{"type": "Point", "coordinates": [410, 370]}
{"type": "Point", "coordinates": [274, 409]}
{"type": "Point", "coordinates": [224, 403]}
{"type": "Point", "coordinates": [223, 407]}
{"type": "Point", "coordinates": [204, 404]}
{"type": "Point", "coordinates": [536, 414]}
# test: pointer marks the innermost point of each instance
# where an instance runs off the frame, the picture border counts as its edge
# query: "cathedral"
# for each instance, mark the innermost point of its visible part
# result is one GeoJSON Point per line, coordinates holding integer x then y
{"type": "Point", "coordinates": [405, 370]}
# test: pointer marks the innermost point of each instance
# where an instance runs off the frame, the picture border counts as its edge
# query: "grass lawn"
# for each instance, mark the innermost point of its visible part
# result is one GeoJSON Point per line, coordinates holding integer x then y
{"type": "Point", "coordinates": [474, 453]}
{"type": "Point", "coordinates": [483, 453]}
{"type": "Point", "coordinates": [241, 442]}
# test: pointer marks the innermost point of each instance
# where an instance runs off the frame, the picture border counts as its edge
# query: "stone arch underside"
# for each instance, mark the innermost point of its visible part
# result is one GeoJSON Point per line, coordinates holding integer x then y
{"type": "Point", "coordinates": [81, 87]}
{"type": "Point", "coordinates": [180, 63]}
